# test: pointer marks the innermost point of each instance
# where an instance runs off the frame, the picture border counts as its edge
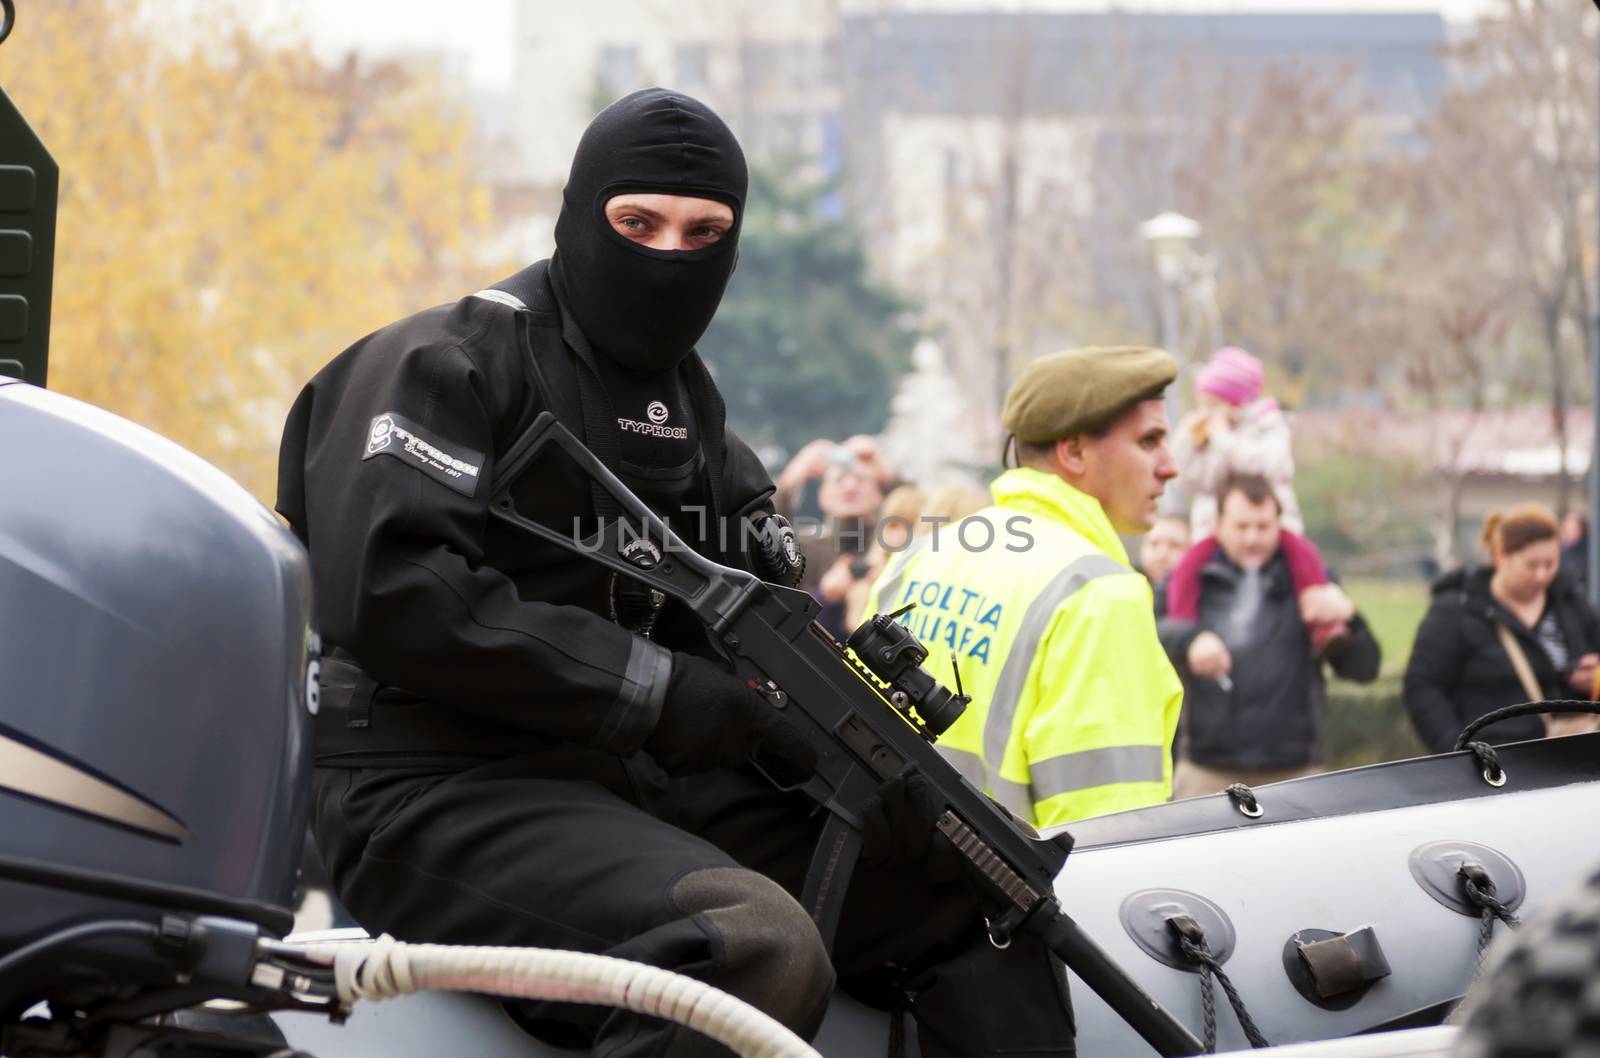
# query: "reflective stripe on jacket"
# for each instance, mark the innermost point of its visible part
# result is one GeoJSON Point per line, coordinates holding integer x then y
{"type": "Point", "coordinates": [1074, 703]}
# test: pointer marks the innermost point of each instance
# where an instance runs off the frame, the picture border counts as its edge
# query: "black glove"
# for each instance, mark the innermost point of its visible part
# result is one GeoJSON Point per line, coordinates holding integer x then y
{"type": "Point", "coordinates": [898, 831]}
{"type": "Point", "coordinates": [711, 719]}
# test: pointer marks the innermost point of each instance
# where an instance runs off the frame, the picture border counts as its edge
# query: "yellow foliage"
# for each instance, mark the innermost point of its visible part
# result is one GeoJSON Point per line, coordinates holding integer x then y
{"type": "Point", "coordinates": [233, 212]}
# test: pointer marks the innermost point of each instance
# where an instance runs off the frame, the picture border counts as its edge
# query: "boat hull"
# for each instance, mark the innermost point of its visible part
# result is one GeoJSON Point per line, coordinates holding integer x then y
{"type": "Point", "coordinates": [1335, 852]}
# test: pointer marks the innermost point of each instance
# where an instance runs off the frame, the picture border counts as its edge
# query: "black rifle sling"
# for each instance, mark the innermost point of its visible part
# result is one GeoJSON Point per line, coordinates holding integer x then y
{"type": "Point", "coordinates": [561, 376]}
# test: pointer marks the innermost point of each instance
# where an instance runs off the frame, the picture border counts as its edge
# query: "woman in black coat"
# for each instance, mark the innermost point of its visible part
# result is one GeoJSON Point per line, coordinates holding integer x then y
{"type": "Point", "coordinates": [1459, 669]}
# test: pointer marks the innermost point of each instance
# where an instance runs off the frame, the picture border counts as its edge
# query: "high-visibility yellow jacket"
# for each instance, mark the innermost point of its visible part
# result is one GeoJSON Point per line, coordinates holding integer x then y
{"type": "Point", "coordinates": [1074, 703]}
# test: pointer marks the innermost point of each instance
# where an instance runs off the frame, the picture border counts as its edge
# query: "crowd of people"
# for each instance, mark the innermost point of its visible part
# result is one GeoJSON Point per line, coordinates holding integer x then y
{"type": "Point", "coordinates": [1246, 609]}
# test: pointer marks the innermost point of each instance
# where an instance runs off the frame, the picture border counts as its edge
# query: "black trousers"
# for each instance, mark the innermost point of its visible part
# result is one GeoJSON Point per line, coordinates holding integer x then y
{"type": "Point", "coordinates": [583, 851]}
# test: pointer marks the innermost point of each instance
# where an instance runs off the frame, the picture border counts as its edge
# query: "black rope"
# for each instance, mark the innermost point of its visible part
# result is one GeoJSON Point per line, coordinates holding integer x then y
{"type": "Point", "coordinates": [1490, 909]}
{"type": "Point", "coordinates": [1555, 705]}
{"type": "Point", "coordinates": [1199, 953]}
{"type": "Point", "coordinates": [1244, 799]}
{"type": "Point", "coordinates": [1208, 1000]}
{"type": "Point", "coordinates": [1488, 759]}
{"type": "Point", "coordinates": [1488, 762]}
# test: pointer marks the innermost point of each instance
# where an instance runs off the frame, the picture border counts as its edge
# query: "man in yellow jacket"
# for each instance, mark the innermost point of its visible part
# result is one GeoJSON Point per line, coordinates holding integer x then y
{"type": "Point", "coordinates": [1035, 603]}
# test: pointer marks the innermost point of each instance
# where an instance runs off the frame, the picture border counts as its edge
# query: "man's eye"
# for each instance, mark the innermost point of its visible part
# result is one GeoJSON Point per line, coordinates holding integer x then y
{"type": "Point", "coordinates": [632, 223]}
{"type": "Point", "coordinates": [707, 234]}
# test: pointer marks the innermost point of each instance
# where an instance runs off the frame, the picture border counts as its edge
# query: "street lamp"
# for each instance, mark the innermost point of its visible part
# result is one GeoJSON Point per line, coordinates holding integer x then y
{"type": "Point", "coordinates": [1171, 236]}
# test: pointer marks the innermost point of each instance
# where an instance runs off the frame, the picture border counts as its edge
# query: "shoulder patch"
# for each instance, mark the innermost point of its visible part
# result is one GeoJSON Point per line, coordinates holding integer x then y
{"type": "Point", "coordinates": [449, 464]}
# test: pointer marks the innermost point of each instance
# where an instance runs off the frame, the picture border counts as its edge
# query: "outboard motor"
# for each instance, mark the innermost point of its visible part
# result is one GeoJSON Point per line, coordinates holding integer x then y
{"type": "Point", "coordinates": [157, 681]}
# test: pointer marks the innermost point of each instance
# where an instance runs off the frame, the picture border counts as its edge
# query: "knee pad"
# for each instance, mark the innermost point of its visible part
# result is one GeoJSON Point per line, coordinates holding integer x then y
{"type": "Point", "coordinates": [768, 950]}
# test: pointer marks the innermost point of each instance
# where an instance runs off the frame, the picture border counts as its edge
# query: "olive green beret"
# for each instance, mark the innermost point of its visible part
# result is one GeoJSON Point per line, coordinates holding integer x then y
{"type": "Point", "coordinates": [1065, 393]}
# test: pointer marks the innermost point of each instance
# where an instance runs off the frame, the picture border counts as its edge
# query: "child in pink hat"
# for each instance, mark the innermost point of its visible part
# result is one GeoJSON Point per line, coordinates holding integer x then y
{"type": "Point", "coordinates": [1237, 430]}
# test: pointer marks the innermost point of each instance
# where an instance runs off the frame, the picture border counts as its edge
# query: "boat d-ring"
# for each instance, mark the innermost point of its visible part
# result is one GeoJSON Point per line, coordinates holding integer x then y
{"type": "Point", "coordinates": [1437, 867]}
{"type": "Point", "coordinates": [1244, 799]}
{"type": "Point", "coordinates": [999, 936]}
{"type": "Point", "coordinates": [1494, 776]}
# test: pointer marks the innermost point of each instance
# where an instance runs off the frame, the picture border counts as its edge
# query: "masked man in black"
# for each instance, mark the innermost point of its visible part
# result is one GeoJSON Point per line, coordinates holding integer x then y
{"type": "Point", "coordinates": [517, 747]}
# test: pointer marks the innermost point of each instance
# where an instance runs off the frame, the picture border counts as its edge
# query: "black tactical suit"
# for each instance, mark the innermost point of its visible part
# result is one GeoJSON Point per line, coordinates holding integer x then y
{"type": "Point", "coordinates": [493, 736]}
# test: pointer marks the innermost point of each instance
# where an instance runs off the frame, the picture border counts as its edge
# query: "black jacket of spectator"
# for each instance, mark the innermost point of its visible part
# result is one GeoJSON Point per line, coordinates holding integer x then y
{"type": "Point", "coordinates": [1272, 716]}
{"type": "Point", "coordinates": [1459, 670]}
{"type": "Point", "coordinates": [1575, 561]}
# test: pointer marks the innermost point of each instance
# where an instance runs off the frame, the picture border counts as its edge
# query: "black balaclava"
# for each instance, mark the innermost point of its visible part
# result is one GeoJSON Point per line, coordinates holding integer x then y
{"type": "Point", "coordinates": [639, 307]}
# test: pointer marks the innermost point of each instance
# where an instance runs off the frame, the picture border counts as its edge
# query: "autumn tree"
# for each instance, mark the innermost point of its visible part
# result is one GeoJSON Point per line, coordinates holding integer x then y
{"type": "Point", "coordinates": [804, 345]}
{"type": "Point", "coordinates": [1274, 159]}
{"type": "Point", "coordinates": [1446, 302]}
{"type": "Point", "coordinates": [1055, 137]}
{"type": "Point", "coordinates": [233, 212]}
{"type": "Point", "coordinates": [971, 188]}
{"type": "Point", "coordinates": [1521, 121]}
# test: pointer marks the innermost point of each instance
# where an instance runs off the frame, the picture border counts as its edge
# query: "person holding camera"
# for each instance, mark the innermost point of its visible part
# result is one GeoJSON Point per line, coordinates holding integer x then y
{"type": "Point", "coordinates": [850, 480]}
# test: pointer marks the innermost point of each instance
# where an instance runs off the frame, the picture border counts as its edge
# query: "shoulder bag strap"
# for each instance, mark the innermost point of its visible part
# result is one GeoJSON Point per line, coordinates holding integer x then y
{"type": "Point", "coordinates": [1519, 661]}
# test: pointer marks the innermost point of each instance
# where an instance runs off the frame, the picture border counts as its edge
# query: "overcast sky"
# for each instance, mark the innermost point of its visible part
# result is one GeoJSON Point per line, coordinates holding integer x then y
{"type": "Point", "coordinates": [483, 29]}
{"type": "Point", "coordinates": [479, 29]}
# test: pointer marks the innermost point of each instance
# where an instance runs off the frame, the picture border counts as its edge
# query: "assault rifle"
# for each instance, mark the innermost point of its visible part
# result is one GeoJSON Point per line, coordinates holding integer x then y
{"type": "Point", "coordinates": [869, 722]}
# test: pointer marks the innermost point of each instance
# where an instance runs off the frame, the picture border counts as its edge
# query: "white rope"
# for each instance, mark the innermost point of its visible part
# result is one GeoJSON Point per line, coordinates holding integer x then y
{"type": "Point", "coordinates": [384, 968]}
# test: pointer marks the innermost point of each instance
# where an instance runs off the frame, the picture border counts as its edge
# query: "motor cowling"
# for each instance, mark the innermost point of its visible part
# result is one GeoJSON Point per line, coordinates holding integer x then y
{"type": "Point", "coordinates": [157, 679]}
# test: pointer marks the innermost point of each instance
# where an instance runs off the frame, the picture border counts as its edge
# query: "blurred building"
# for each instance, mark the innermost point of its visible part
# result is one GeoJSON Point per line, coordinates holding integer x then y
{"type": "Point", "coordinates": [1003, 161]}
{"type": "Point", "coordinates": [768, 69]}
{"type": "Point", "coordinates": [1469, 462]}
{"type": "Point", "coordinates": [998, 162]}
{"type": "Point", "coordinates": [935, 100]}
{"type": "Point", "coordinates": [920, 98]}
